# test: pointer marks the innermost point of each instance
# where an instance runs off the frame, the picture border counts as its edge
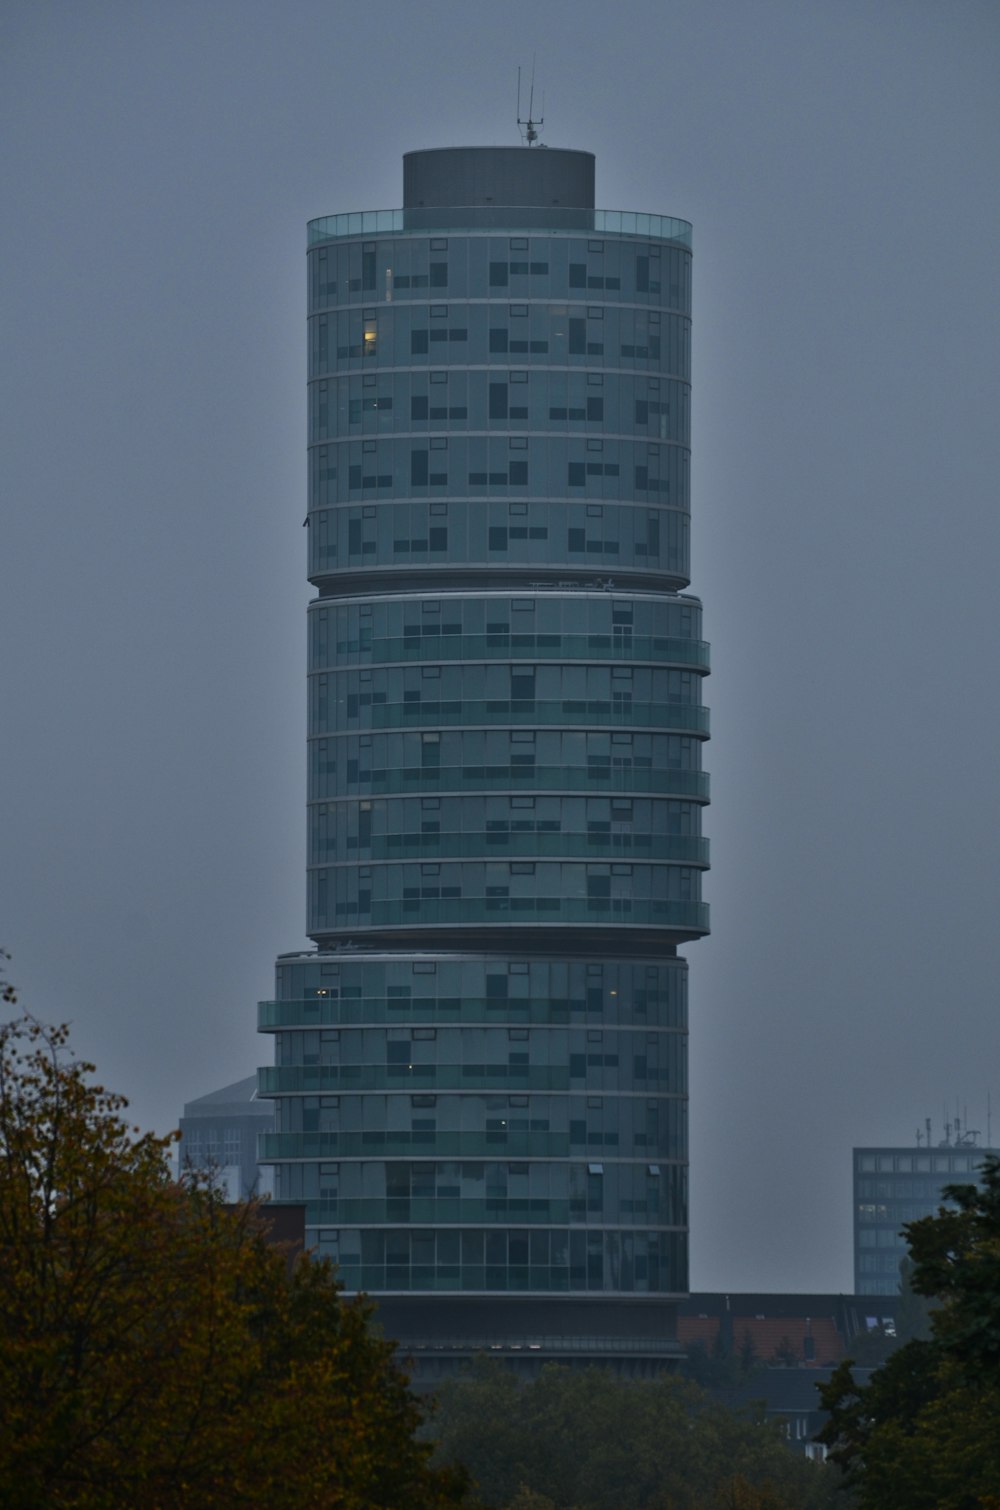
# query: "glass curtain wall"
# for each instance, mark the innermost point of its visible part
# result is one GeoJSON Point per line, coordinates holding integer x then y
{"type": "Point", "coordinates": [480, 1075]}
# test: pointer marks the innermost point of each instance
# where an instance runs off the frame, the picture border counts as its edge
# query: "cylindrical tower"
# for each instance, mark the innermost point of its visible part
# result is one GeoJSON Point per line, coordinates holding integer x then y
{"type": "Point", "coordinates": [480, 1075]}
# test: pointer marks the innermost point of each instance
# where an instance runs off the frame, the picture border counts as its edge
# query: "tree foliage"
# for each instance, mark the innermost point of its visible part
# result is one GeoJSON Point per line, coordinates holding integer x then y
{"type": "Point", "coordinates": [8, 992]}
{"type": "Point", "coordinates": [155, 1349]}
{"type": "Point", "coordinates": [924, 1434]}
{"type": "Point", "coordinates": [723, 1366]}
{"type": "Point", "coordinates": [913, 1311]}
{"type": "Point", "coordinates": [587, 1440]}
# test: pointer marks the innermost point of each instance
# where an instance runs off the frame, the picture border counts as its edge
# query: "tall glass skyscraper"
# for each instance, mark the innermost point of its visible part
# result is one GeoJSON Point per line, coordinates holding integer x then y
{"type": "Point", "coordinates": [480, 1073]}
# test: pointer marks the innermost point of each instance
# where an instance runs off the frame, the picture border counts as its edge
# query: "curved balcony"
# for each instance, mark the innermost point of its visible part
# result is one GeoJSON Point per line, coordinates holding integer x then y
{"type": "Point", "coordinates": [349, 1011]}
{"type": "Point", "coordinates": [466, 1211]}
{"type": "Point", "coordinates": [678, 849]}
{"type": "Point", "coordinates": [438, 650]}
{"type": "Point", "coordinates": [560, 780]}
{"type": "Point", "coordinates": [427, 1210]}
{"type": "Point", "coordinates": [380, 1143]}
{"type": "Point", "coordinates": [322, 1080]}
{"type": "Point", "coordinates": [500, 713]}
{"type": "Point", "coordinates": [489, 217]}
{"type": "Point", "coordinates": [484, 912]}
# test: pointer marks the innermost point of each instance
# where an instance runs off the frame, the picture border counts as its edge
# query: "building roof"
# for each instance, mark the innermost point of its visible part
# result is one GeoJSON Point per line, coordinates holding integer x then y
{"type": "Point", "coordinates": [238, 1099]}
{"type": "Point", "coordinates": [819, 1328]}
{"type": "Point", "coordinates": [788, 1391]}
{"type": "Point", "coordinates": [761, 1303]}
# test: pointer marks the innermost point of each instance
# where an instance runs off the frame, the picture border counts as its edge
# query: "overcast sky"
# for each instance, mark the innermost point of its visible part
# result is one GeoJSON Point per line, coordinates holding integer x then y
{"type": "Point", "coordinates": [840, 160]}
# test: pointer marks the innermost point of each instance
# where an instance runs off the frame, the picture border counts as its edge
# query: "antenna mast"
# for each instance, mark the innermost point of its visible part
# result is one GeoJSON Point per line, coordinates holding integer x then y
{"type": "Point", "coordinates": [528, 126]}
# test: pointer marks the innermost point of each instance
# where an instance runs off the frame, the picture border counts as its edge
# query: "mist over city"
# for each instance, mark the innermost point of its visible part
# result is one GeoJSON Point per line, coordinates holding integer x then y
{"type": "Point", "coordinates": [838, 164]}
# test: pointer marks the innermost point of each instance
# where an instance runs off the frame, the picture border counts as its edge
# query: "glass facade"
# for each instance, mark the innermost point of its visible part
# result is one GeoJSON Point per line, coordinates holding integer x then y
{"type": "Point", "coordinates": [480, 1074]}
{"type": "Point", "coordinates": [893, 1186]}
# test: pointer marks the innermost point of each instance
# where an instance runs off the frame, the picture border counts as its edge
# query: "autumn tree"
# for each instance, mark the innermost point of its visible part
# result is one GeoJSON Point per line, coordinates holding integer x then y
{"type": "Point", "coordinates": [155, 1349]}
{"type": "Point", "coordinates": [924, 1434]}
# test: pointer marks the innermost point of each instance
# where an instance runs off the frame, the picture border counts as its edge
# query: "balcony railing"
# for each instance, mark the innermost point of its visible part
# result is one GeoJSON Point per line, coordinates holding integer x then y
{"type": "Point", "coordinates": [425, 779]}
{"type": "Point", "coordinates": [485, 912]}
{"type": "Point", "coordinates": [344, 1011]}
{"type": "Point", "coordinates": [656, 650]}
{"type": "Point", "coordinates": [602, 713]}
{"type": "Point", "coordinates": [679, 849]}
{"type": "Point", "coordinates": [489, 217]}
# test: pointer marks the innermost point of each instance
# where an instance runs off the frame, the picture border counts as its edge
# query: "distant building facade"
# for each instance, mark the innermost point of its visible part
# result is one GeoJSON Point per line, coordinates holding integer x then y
{"type": "Point", "coordinates": [897, 1185]}
{"type": "Point", "coordinates": [793, 1330]}
{"type": "Point", "coordinates": [770, 1352]}
{"type": "Point", "coordinates": [219, 1132]}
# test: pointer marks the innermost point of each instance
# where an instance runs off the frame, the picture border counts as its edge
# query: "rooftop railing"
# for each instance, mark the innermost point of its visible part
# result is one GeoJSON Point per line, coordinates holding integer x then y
{"type": "Point", "coordinates": [500, 217]}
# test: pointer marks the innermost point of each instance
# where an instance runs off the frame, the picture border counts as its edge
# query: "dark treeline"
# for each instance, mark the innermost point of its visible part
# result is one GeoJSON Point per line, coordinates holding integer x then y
{"type": "Point", "coordinates": [588, 1440]}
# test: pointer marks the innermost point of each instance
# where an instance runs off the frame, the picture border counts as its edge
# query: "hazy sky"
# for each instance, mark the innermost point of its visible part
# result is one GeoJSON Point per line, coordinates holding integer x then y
{"type": "Point", "coordinates": [840, 160]}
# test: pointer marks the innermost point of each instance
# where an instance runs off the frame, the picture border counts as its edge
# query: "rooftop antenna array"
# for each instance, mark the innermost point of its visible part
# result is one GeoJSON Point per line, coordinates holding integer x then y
{"type": "Point", "coordinates": [528, 126]}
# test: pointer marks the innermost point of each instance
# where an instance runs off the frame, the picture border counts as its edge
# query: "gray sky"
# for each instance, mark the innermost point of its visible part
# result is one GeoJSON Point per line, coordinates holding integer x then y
{"type": "Point", "coordinates": [839, 159]}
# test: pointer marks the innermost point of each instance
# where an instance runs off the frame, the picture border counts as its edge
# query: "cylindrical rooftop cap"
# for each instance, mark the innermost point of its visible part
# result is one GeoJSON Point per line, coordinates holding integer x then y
{"type": "Point", "coordinates": [456, 177]}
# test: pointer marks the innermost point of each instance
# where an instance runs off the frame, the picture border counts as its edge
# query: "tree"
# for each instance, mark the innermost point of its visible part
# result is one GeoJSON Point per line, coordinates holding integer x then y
{"type": "Point", "coordinates": [956, 1260]}
{"type": "Point", "coordinates": [786, 1353]}
{"type": "Point", "coordinates": [155, 1349]}
{"type": "Point", "coordinates": [8, 992]}
{"type": "Point", "coordinates": [872, 1347]}
{"type": "Point", "coordinates": [584, 1439]}
{"type": "Point", "coordinates": [722, 1368]}
{"type": "Point", "coordinates": [749, 1360]}
{"type": "Point", "coordinates": [913, 1312]}
{"type": "Point", "coordinates": [922, 1435]}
